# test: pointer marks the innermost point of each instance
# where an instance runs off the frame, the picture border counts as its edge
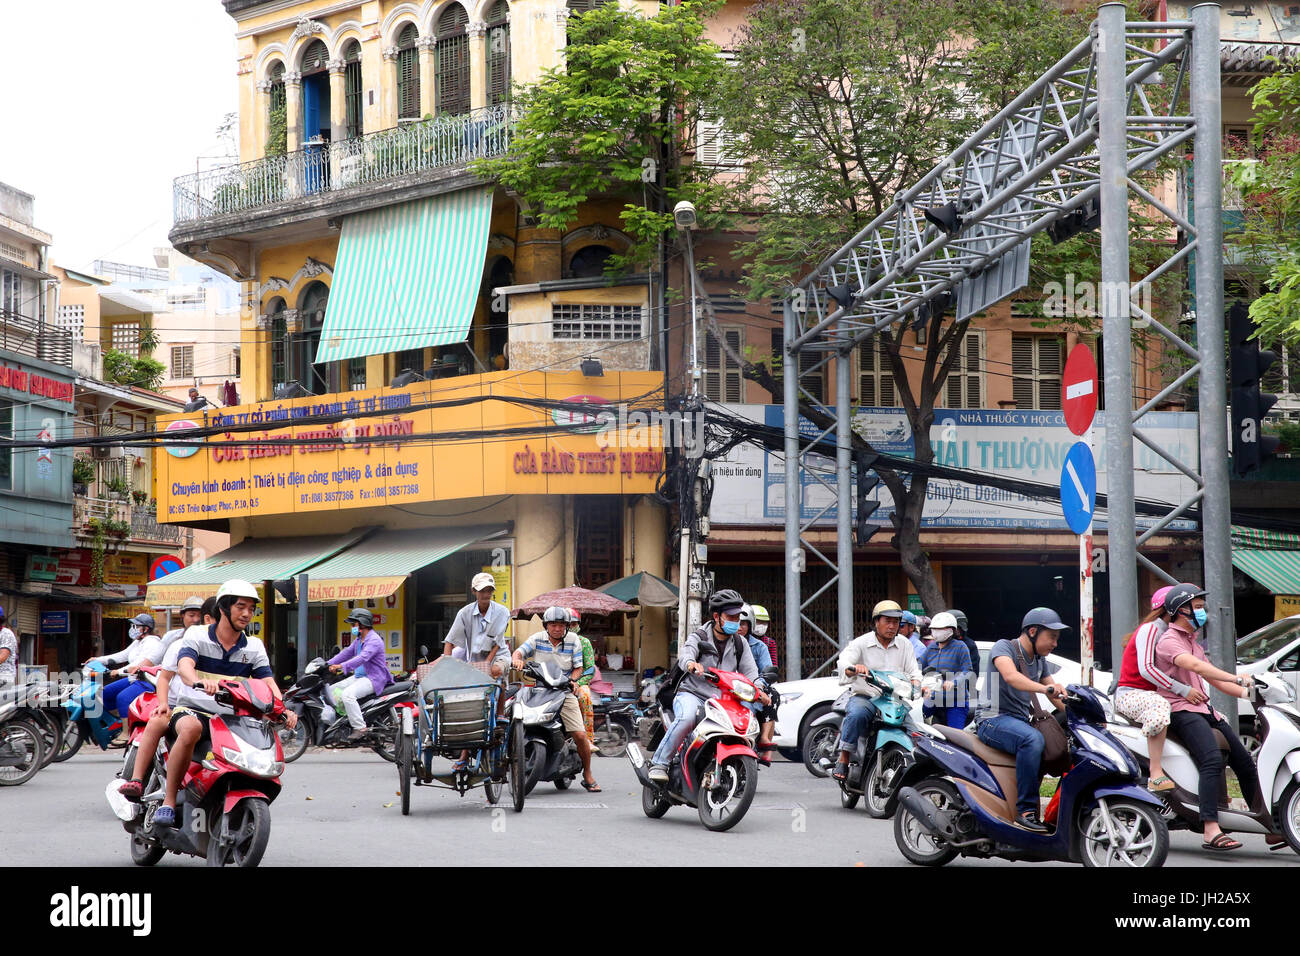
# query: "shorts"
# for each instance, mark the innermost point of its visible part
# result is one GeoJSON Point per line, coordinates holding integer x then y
{"type": "Point", "coordinates": [1146, 707]}
{"type": "Point", "coordinates": [571, 716]}
{"type": "Point", "coordinates": [177, 714]}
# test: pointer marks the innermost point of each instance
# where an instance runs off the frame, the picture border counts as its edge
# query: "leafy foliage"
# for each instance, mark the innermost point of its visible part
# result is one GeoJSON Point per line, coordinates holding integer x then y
{"type": "Point", "coordinates": [143, 372]}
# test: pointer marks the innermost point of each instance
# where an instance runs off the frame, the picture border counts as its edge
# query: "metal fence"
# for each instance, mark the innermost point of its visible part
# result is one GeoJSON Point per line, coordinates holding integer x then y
{"type": "Point", "coordinates": [375, 157]}
{"type": "Point", "coordinates": [28, 336]}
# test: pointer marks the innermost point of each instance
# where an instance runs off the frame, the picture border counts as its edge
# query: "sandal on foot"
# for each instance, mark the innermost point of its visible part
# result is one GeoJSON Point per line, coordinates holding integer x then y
{"type": "Point", "coordinates": [1275, 841]}
{"type": "Point", "coordinates": [840, 772]}
{"type": "Point", "coordinates": [459, 765]}
{"type": "Point", "coordinates": [1160, 784]}
{"type": "Point", "coordinates": [164, 817]}
{"type": "Point", "coordinates": [592, 787]}
{"type": "Point", "coordinates": [132, 790]}
{"type": "Point", "coordinates": [1221, 844]}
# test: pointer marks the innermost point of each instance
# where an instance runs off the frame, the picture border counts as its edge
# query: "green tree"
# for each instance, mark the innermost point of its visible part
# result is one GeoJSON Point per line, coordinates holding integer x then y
{"type": "Point", "coordinates": [613, 121]}
{"type": "Point", "coordinates": [143, 372]}
{"type": "Point", "coordinates": [842, 103]}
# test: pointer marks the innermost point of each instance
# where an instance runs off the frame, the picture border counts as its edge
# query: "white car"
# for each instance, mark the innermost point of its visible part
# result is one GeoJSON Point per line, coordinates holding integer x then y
{"type": "Point", "coordinates": [805, 701]}
{"type": "Point", "coordinates": [1273, 646]}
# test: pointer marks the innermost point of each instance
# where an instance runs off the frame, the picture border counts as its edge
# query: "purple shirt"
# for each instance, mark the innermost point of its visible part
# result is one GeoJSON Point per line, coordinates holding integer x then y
{"type": "Point", "coordinates": [368, 649]}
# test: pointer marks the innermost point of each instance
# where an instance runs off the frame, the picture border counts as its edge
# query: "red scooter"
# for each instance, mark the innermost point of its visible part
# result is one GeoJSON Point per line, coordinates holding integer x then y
{"type": "Point", "coordinates": [715, 769]}
{"type": "Point", "coordinates": [223, 807]}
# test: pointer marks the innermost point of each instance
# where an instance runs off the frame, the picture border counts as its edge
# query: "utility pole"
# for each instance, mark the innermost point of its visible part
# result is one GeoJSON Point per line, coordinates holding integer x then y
{"type": "Point", "coordinates": [691, 505]}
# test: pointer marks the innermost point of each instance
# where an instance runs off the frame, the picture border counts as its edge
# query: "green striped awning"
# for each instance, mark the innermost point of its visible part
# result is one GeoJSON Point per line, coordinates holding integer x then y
{"type": "Point", "coordinates": [407, 276]}
{"type": "Point", "coordinates": [1279, 571]}
{"type": "Point", "coordinates": [1261, 539]}
{"type": "Point", "coordinates": [377, 567]}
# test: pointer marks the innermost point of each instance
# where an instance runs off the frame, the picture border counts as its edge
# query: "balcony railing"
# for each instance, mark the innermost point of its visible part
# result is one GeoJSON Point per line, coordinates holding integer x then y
{"type": "Point", "coordinates": [122, 520]}
{"type": "Point", "coordinates": [329, 167]}
{"type": "Point", "coordinates": [29, 336]}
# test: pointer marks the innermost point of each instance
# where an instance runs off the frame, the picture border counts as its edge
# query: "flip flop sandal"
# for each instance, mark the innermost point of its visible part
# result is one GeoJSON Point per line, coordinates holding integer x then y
{"type": "Point", "coordinates": [1160, 784]}
{"type": "Point", "coordinates": [591, 787]}
{"type": "Point", "coordinates": [132, 790]}
{"type": "Point", "coordinates": [1221, 844]}
{"type": "Point", "coordinates": [459, 765]}
{"type": "Point", "coordinates": [840, 772]}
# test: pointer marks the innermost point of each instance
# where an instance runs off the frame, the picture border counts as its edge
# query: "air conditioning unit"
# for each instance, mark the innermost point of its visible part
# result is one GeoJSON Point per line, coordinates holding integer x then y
{"type": "Point", "coordinates": [103, 452]}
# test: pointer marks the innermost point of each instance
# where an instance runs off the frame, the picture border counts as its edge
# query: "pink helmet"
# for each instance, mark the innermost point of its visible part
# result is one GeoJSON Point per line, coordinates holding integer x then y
{"type": "Point", "coordinates": [1158, 599]}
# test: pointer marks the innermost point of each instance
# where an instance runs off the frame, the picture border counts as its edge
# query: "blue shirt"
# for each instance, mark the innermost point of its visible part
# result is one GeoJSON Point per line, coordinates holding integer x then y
{"type": "Point", "coordinates": [952, 660]}
{"type": "Point", "coordinates": [762, 657]}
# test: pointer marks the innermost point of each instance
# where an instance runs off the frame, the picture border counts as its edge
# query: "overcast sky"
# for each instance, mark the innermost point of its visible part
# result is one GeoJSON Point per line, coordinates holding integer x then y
{"type": "Point", "coordinates": [104, 105]}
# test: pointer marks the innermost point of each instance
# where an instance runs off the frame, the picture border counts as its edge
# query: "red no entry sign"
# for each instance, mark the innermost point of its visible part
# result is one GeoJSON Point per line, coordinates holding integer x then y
{"type": "Point", "coordinates": [1079, 389]}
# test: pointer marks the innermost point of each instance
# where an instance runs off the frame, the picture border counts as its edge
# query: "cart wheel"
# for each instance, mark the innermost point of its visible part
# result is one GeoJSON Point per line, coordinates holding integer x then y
{"type": "Point", "coordinates": [405, 755]}
{"type": "Point", "coordinates": [492, 790]}
{"type": "Point", "coordinates": [518, 786]}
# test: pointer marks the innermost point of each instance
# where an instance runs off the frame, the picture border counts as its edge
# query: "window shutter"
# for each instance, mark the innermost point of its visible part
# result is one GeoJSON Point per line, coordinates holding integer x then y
{"type": "Point", "coordinates": [708, 142]}
{"type": "Point", "coordinates": [453, 61]}
{"type": "Point", "coordinates": [352, 89]}
{"type": "Point", "coordinates": [875, 379]}
{"type": "Point", "coordinates": [974, 372]}
{"type": "Point", "coordinates": [315, 58]}
{"type": "Point", "coordinates": [1022, 370]}
{"type": "Point", "coordinates": [408, 74]}
{"type": "Point", "coordinates": [1049, 372]}
{"type": "Point", "coordinates": [733, 380]}
{"type": "Point", "coordinates": [498, 53]}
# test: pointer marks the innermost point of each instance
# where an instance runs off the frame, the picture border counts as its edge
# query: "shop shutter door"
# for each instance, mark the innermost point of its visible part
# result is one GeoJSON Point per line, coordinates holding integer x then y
{"type": "Point", "coordinates": [27, 616]}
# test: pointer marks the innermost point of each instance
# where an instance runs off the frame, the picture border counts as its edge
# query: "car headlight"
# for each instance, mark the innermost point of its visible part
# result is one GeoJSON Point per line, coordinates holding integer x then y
{"type": "Point", "coordinates": [743, 690]}
{"type": "Point", "coordinates": [786, 698]}
{"type": "Point", "coordinates": [257, 762]}
{"type": "Point", "coordinates": [1100, 746]}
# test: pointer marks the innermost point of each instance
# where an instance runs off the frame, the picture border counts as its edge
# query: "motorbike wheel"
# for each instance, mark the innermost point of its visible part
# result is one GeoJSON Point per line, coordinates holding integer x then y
{"type": "Point", "coordinates": [294, 742]}
{"type": "Point", "coordinates": [73, 738]}
{"type": "Point", "coordinates": [881, 797]}
{"type": "Point", "coordinates": [652, 804]}
{"type": "Point", "coordinates": [51, 734]}
{"type": "Point", "coordinates": [144, 852]}
{"type": "Point", "coordinates": [848, 799]}
{"type": "Point", "coordinates": [534, 762]}
{"type": "Point", "coordinates": [725, 803]}
{"type": "Point", "coordinates": [405, 754]}
{"type": "Point", "coordinates": [386, 730]}
{"type": "Point", "coordinates": [1287, 815]}
{"type": "Point", "coordinates": [612, 739]}
{"type": "Point", "coordinates": [916, 842]}
{"type": "Point", "coordinates": [21, 741]}
{"type": "Point", "coordinates": [563, 783]}
{"type": "Point", "coordinates": [819, 743]}
{"type": "Point", "coordinates": [251, 823]}
{"type": "Point", "coordinates": [1145, 835]}
{"type": "Point", "coordinates": [518, 766]}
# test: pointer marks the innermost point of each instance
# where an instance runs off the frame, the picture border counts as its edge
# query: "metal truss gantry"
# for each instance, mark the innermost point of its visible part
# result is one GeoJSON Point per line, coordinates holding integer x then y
{"type": "Point", "coordinates": [1073, 141]}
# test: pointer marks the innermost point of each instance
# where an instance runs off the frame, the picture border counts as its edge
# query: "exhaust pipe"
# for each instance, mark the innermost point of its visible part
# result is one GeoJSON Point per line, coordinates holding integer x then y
{"type": "Point", "coordinates": [926, 813]}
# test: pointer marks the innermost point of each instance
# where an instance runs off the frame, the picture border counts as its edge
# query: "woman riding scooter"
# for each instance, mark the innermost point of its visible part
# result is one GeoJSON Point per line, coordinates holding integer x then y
{"type": "Point", "coordinates": [951, 661]}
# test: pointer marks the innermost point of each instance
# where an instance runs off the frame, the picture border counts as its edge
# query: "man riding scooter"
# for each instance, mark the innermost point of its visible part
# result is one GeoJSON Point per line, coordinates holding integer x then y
{"type": "Point", "coordinates": [878, 649]}
{"type": "Point", "coordinates": [766, 714]}
{"type": "Point", "coordinates": [364, 659]}
{"type": "Point", "coordinates": [717, 644]}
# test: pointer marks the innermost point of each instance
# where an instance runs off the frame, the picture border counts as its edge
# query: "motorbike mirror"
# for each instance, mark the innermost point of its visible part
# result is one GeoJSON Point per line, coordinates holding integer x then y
{"type": "Point", "coordinates": [771, 673]}
{"type": "Point", "coordinates": [424, 650]}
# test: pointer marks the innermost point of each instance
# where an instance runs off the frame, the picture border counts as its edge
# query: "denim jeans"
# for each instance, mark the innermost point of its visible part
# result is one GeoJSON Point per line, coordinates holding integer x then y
{"type": "Point", "coordinates": [1015, 736]}
{"type": "Point", "coordinates": [857, 718]}
{"type": "Point", "coordinates": [948, 716]}
{"type": "Point", "coordinates": [111, 692]}
{"type": "Point", "coordinates": [685, 708]}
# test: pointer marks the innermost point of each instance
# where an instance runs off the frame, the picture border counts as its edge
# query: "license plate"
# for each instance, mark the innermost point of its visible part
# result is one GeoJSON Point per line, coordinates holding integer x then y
{"type": "Point", "coordinates": [634, 754]}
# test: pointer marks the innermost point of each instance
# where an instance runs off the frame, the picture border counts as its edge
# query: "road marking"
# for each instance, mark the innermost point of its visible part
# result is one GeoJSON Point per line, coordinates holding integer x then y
{"type": "Point", "coordinates": [1078, 486]}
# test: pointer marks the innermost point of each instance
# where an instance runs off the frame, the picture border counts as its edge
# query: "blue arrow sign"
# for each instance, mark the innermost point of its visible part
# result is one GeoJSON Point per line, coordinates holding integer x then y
{"type": "Point", "coordinates": [1078, 487]}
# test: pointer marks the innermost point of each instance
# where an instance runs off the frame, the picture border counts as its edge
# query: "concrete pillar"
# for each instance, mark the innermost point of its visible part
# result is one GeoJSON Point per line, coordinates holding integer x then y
{"type": "Point", "coordinates": [261, 125]}
{"type": "Point", "coordinates": [537, 254]}
{"type": "Point", "coordinates": [476, 30]}
{"type": "Point", "coordinates": [374, 70]}
{"type": "Point", "coordinates": [338, 102]}
{"type": "Point", "coordinates": [649, 550]}
{"type": "Point", "coordinates": [388, 88]}
{"type": "Point", "coordinates": [539, 551]}
{"type": "Point", "coordinates": [293, 110]}
{"type": "Point", "coordinates": [428, 47]}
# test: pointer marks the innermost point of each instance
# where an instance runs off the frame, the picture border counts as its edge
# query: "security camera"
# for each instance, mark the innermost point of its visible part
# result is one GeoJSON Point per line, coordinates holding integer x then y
{"type": "Point", "coordinates": [684, 214]}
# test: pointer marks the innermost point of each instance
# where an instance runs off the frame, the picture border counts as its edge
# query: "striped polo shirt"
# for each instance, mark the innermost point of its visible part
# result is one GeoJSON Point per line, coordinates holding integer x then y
{"type": "Point", "coordinates": [566, 657]}
{"type": "Point", "coordinates": [213, 662]}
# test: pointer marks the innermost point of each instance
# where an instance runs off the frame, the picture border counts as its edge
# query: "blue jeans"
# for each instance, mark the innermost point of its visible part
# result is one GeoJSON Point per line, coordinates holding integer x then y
{"type": "Point", "coordinates": [857, 718]}
{"type": "Point", "coordinates": [948, 716]}
{"type": "Point", "coordinates": [685, 708]}
{"type": "Point", "coordinates": [119, 694]}
{"type": "Point", "coordinates": [1015, 736]}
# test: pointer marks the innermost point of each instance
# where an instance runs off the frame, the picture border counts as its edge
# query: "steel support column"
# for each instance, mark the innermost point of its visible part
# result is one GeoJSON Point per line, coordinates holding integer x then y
{"type": "Point", "coordinates": [844, 494]}
{"type": "Point", "coordinates": [794, 563]}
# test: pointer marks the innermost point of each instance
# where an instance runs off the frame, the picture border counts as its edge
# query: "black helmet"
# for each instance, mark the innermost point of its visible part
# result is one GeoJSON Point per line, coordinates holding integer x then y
{"type": "Point", "coordinates": [1041, 617]}
{"type": "Point", "coordinates": [726, 601]}
{"type": "Point", "coordinates": [1179, 596]}
{"type": "Point", "coordinates": [962, 623]}
{"type": "Point", "coordinates": [361, 616]}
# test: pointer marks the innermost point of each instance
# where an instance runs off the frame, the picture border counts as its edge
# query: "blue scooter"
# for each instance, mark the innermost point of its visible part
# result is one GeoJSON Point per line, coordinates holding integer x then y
{"type": "Point", "coordinates": [960, 798]}
{"type": "Point", "coordinates": [86, 709]}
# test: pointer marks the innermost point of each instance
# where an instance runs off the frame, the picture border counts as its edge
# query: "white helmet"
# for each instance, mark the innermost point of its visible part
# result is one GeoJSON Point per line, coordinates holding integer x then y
{"type": "Point", "coordinates": [555, 614]}
{"type": "Point", "coordinates": [237, 587]}
{"type": "Point", "coordinates": [747, 614]}
{"type": "Point", "coordinates": [944, 621]}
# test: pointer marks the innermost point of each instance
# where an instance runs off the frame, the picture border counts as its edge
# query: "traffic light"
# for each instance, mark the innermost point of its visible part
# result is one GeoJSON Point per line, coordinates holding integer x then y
{"type": "Point", "coordinates": [1084, 219]}
{"type": "Point", "coordinates": [867, 482]}
{"type": "Point", "coordinates": [1250, 448]}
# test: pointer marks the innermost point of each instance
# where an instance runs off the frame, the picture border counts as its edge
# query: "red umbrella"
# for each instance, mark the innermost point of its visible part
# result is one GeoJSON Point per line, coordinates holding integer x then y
{"type": "Point", "coordinates": [580, 599]}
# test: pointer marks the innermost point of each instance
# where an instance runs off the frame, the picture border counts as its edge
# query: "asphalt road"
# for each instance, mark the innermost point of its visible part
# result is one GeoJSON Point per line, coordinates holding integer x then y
{"type": "Point", "coordinates": [335, 806]}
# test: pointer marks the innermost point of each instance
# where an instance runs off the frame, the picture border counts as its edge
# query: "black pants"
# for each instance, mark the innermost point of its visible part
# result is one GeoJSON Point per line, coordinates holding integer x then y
{"type": "Point", "coordinates": [1195, 730]}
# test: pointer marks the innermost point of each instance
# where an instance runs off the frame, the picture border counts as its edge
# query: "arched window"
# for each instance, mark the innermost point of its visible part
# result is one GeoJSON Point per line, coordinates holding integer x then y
{"type": "Point", "coordinates": [311, 318]}
{"type": "Point", "coordinates": [277, 124]}
{"type": "Point", "coordinates": [315, 92]}
{"type": "Point", "coordinates": [279, 333]}
{"type": "Point", "coordinates": [498, 53]}
{"type": "Point", "coordinates": [453, 61]}
{"type": "Point", "coordinates": [408, 74]}
{"type": "Point", "coordinates": [577, 7]}
{"type": "Point", "coordinates": [352, 88]}
{"type": "Point", "coordinates": [589, 262]}
{"type": "Point", "coordinates": [501, 273]}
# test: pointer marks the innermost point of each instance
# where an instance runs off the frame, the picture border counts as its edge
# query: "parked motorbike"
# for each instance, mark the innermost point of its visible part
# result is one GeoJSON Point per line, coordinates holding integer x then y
{"type": "Point", "coordinates": [885, 752]}
{"type": "Point", "coordinates": [614, 721]}
{"type": "Point", "coordinates": [321, 722]}
{"type": "Point", "coordinates": [960, 798]}
{"type": "Point", "coordinates": [1277, 760]}
{"type": "Point", "coordinates": [549, 753]}
{"type": "Point", "coordinates": [22, 747]}
{"type": "Point", "coordinates": [33, 703]}
{"type": "Point", "coordinates": [86, 711]}
{"type": "Point", "coordinates": [223, 807]}
{"type": "Point", "coordinates": [715, 769]}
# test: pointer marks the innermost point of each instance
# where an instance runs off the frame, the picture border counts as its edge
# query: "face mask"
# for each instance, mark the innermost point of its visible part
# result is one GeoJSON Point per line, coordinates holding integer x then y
{"type": "Point", "coordinates": [134, 632]}
{"type": "Point", "coordinates": [941, 634]}
{"type": "Point", "coordinates": [760, 629]}
{"type": "Point", "coordinates": [356, 631]}
{"type": "Point", "coordinates": [1200, 617]}
{"type": "Point", "coordinates": [730, 627]}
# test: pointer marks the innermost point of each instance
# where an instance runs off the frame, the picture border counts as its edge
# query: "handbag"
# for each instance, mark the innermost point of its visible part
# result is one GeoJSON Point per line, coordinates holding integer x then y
{"type": "Point", "coordinates": [1056, 749]}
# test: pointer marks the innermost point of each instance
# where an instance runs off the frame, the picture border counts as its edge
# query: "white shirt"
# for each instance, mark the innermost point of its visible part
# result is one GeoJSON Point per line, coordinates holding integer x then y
{"type": "Point", "coordinates": [480, 633]}
{"type": "Point", "coordinates": [867, 650]}
{"type": "Point", "coordinates": [9, 668]}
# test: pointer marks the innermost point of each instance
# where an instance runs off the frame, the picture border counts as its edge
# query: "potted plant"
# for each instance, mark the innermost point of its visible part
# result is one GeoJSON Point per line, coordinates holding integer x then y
{"type": "Point", "coordinates": [83, 473]}
{"type": "Point", "coordinates": [117, 487]}
{"type": "Point", "coordinates": [117, 528]}
{"type": "Point", "coordinates": [140, 497]}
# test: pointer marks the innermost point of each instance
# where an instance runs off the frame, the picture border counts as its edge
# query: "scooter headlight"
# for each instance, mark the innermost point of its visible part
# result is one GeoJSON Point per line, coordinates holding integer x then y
{"type": "Point", "coordinates": [744, 690]}
{"type": "Point", "coordinates": [1116, 757]}
{"type": "Point", "coordinates": [259, 763]}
